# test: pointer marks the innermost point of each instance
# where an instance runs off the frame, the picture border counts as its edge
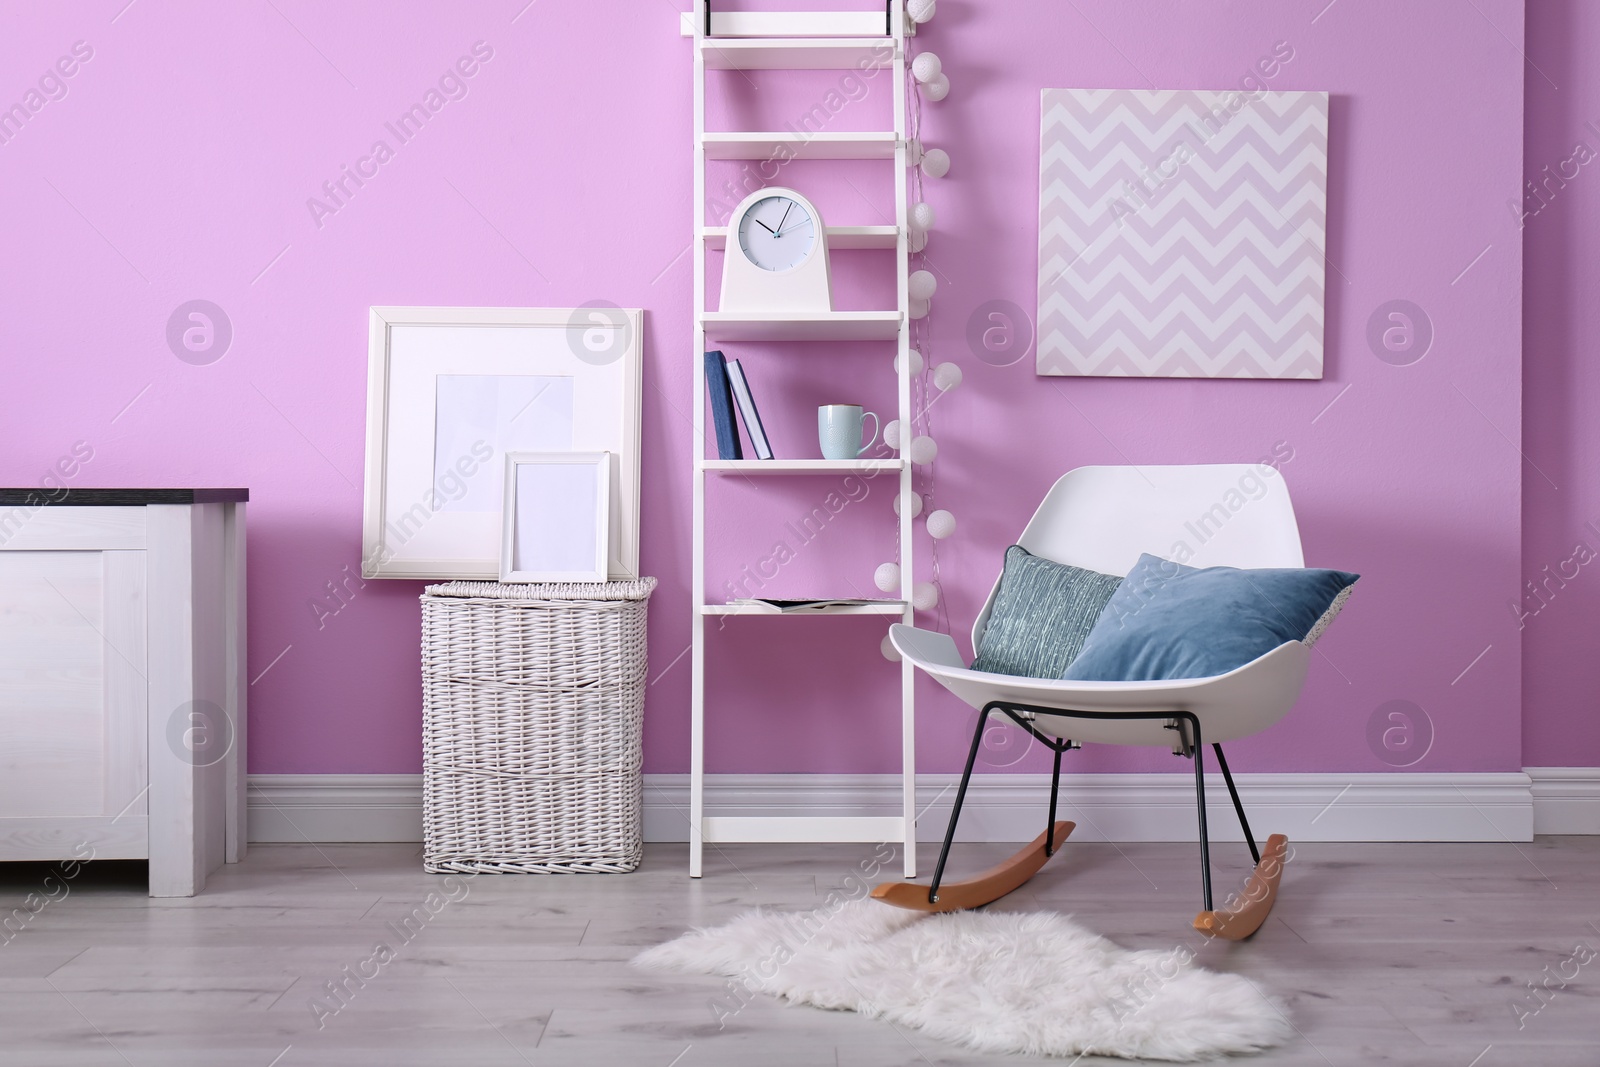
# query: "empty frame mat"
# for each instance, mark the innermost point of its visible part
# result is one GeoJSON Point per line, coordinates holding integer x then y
{"type": "Point", "coordinates": [454, 390]}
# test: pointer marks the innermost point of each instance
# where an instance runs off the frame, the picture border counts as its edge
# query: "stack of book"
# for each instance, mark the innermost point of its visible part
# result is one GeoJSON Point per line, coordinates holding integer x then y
{"type": "Point", "coordinates": [727, 385]}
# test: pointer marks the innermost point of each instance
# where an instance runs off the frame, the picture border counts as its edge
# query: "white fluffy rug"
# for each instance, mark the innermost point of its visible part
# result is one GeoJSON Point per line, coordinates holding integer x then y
{"type": "Point", "coordinates": [993, 981]}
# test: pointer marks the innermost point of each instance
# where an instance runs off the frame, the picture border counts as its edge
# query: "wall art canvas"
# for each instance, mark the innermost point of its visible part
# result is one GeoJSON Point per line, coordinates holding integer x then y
{"type": "Point", "coordinates": [1182, 234]}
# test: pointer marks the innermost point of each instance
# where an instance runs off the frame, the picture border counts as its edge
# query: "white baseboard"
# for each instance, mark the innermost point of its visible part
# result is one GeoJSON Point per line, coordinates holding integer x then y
{"type": "Point", "coordinates": [335, 807]}
{"type": "Point", "coordinates": [1010, 807]}
{"type": "Point", "coordinates": [1566, 800]}
{"type": "Point", "coordinates": [1132, 807]}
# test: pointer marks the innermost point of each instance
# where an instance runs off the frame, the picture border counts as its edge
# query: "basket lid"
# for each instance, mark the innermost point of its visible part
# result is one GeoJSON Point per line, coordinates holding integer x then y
{"type": "Point", "coordinates": [635, 589]}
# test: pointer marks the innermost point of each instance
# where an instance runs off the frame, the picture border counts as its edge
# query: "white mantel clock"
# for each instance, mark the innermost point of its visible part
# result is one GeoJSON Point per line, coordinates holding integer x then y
{"type": "Point", "coordinates": [777, 255]}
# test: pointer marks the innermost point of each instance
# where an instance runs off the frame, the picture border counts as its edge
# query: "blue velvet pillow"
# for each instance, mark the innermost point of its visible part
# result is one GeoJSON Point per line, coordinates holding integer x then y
{"type": "Point", "coordinates": [1171, 621]}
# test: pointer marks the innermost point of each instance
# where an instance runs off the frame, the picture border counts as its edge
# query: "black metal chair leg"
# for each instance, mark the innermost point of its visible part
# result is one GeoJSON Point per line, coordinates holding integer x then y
{"type": "Point", "coordinates": [1055, 787]}
{"type": "Point", "coordinates": [1222, 761]}
{"type": "Point", "coordinates": [1198, 755]}
{"type": "Point", "coordinates": [955, 812]}
{"type": "Point", "coordinates": [1192, 745]}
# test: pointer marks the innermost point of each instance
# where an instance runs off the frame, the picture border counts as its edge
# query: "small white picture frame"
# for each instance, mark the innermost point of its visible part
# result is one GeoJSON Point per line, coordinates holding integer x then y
{"type": "Point", "coordinates": [556, 518]}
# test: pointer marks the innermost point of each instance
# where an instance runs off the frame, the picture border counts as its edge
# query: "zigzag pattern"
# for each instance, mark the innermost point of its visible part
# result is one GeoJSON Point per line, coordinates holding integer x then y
{"type": "Point", "coordinates": [1179, 237]}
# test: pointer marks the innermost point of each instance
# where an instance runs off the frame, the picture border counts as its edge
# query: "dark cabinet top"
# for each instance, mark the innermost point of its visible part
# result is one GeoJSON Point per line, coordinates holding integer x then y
{"type": "Point", "coordinates": [68, 496]}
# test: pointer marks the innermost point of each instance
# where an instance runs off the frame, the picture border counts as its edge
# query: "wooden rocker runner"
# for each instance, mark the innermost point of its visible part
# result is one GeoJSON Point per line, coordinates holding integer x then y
{"type": "Point", "coordinates": [1103, 518]}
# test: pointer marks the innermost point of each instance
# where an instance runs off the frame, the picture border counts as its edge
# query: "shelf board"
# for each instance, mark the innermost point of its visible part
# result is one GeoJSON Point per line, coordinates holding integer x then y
{"type": "Point", "coordinates": [788, 53]}
{"type": "Point", "coordinates": [785, 146]}
{"type": "Point", "coordinates": [897, 608]}
{"type": "Point", "coordinates": [791, 24]}
{"type": "Point", "coordinates": [839, 237]}
{"type": "Point", "coordinates": [802, 828]}
{"type": "Point", "coordinates": [800, 466]}
{"type": "Point", "coordinates": [802, 326]}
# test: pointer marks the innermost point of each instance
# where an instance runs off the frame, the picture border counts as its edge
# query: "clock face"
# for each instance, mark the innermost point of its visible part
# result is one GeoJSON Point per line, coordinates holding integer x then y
{"type": "Point", "coordinates": [777, 233]}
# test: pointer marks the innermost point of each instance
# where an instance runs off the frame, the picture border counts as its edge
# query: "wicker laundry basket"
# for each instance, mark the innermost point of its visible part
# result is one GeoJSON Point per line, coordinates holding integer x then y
{"type": "Point", "coordinates": [532, 701]}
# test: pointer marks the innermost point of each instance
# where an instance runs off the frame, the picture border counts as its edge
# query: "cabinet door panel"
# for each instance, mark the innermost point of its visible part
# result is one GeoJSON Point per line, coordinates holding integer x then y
{"type": "Point", "coordinates": [72, 686]}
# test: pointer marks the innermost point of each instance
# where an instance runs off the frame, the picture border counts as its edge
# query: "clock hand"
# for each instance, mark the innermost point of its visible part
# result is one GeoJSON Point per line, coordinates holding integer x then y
{"type": "Point", "coordinates": [802, 222]}
{"type": "Point", "coordinates": [769, 229]}
{"type": "Point", "coordinates": [784, 219]}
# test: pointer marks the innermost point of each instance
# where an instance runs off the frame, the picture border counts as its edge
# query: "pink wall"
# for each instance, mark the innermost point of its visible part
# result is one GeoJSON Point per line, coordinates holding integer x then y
{"type": "Point", "coordinates": [178, 165]}
{"type": "Point", "coordinates": [1561, 383]}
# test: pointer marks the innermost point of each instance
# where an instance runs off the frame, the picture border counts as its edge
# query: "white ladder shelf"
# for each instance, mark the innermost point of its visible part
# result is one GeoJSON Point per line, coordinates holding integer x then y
{"type": "Point", "coordinates": [812, 40]}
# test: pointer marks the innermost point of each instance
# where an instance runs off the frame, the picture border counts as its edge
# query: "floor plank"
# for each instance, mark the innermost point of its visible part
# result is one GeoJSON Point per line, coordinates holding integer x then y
{"type": "Point", "coordinates": [1400, 954]}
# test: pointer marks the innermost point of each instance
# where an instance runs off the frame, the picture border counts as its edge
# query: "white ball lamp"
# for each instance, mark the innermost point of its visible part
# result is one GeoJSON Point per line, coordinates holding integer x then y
{"type": "Point", "coordinates": [926, 67]}
{"type": "Point", "coordinates": [935, 163]}
{"type": "Point", "coordinates": [922, 216]}
{"type": "Point", "coordinates": [924, 596]}
{"type": "Point", "coordinates": [937, 89]}
{"type": "Point", "coordinates": [941, 524]}
{"type": "Point", "coordinates": [917, 363]}
{"type": "Point", "coordinates": [918, 309]}
{"type": "Point", "coordinates": [923, 450]}
{"type": "Point", "coordinates": [891, 434]}
{"type": "Point", "coordinates": [922, 285]}
{"type": "Point", "coordinates": [890, 653]}
{"type": "Point", "coordinates": [917, 240]}
{"type": "Point", "coordinates": [916, 505]}
{"type": "Point", "coordinates": [887, 577]}
{"type": "Point", "coordinates": [920, 11]}
{"type": "Point", "coordinates": [946, 376]}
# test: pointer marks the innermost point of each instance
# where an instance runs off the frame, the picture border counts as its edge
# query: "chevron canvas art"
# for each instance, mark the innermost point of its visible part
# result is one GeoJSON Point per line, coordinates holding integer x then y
{"type": "Point", "coordinates": [1182, 234]}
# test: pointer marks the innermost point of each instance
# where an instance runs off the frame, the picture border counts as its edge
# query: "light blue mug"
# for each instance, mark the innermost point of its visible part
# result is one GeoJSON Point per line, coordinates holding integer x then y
{"type": "Point", "coordinates": [839, 429]}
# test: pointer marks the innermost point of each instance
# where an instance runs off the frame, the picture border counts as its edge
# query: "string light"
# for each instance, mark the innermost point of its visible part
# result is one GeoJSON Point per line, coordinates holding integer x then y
{"type": "Point", "coordinates": [931, 83]}
{"type": "Point", "coordinates": [941, 524]}
{"type": "Point", "coordinates": [887, 577]}
{"type": "Point", "coordinates": [920, 10]}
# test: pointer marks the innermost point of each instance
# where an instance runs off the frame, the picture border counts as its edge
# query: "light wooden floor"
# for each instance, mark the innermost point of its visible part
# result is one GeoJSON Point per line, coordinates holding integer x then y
{"type": "Point", "coordinates": [1386, 954]}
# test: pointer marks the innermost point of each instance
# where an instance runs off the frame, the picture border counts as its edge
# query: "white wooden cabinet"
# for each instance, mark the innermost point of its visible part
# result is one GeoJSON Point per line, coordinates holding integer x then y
{"type": "Point", "coordinates": [122, 679]}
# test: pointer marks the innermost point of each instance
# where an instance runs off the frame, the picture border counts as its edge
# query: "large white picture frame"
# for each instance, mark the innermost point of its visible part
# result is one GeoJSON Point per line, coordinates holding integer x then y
{"type": "Point", "coordinates": [451, 390]}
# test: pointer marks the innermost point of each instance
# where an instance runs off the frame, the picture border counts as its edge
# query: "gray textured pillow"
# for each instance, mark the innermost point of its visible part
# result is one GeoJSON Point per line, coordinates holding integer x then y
{"type": "Point", "coordinates": [1041, 616]}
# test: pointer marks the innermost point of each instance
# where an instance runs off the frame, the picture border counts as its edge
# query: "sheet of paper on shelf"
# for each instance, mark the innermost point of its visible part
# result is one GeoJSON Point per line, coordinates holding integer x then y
{"type": "Point", "coordinates": [506, 412]}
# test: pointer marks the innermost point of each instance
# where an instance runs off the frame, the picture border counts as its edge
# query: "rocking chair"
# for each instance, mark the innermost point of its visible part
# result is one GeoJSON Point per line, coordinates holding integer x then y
{"type": "Point", "coordinates": [1102, 519]}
